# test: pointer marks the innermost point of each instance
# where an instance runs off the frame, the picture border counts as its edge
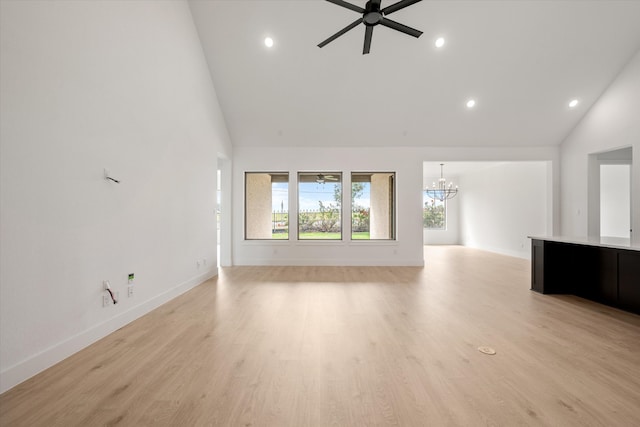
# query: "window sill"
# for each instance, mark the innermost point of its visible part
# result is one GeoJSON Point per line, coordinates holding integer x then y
{"type": "Point", "coordinates": [320, 242]}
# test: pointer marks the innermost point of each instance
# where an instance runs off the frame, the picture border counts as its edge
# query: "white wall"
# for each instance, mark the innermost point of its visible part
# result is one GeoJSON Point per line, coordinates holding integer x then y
{"type": "Point", "coordinates": [87, 86]}
{"type": "Point", "coordinates": [405, 161]}
{"type": "Point", "coordinates": [611, 123]}
{"type": "Point", "coordinates": [501, 205]}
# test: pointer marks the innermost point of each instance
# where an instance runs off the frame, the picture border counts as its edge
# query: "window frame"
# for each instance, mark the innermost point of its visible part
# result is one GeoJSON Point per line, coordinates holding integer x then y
{"type": "Point", "coordinates": [246, 210]}
{"type": "Point", "coordinates": [393, 225]}
{"type": "Point", "coordinates": [340, 206]}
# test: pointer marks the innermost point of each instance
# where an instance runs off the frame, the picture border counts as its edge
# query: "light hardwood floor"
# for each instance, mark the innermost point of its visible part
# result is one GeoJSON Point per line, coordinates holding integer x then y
{"type": "Point", "coordinates": [321, 346]}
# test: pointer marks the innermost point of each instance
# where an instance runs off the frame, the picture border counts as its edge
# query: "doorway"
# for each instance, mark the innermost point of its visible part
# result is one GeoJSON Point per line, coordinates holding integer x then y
{"type": "Point", "coordinates": [615, 201]}
{"type": "Point", "coordinates": [609, 194]}
{"type": "Point", "coordinates": [218, 212]}
{"type": "Point", "coordinates": [223, 212]}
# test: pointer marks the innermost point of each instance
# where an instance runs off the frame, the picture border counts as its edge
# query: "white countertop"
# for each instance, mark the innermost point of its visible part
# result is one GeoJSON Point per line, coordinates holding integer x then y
{"type": "Point", "coordinates": [604, 242]}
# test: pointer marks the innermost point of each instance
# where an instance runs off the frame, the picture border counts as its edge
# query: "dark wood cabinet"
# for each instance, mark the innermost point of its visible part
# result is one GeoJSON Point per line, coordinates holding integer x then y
{"type": "Point", "coordinates": [629, 280]}
{"type": "Point", "coordinates": [604, 274]}
{"type": "Point", "coordinates": [606, 286]}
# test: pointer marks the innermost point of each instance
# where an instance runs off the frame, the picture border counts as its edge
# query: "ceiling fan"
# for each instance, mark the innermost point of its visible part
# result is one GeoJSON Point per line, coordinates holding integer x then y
{"type": "Point", "coordinates": [321, 179]}
{"type": "Point", "coordinates": [373, 15]}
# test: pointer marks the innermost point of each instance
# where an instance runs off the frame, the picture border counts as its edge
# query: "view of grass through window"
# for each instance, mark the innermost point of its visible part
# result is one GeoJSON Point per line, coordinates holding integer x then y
{"type": "Point", "coordinates": [360, 208]}
{"type": "Point", "coordinates": [320, 206]}
{"type": "Point", "coordinates": [280, 210]}
{"type": "Point", "coordinates": [320, 201]}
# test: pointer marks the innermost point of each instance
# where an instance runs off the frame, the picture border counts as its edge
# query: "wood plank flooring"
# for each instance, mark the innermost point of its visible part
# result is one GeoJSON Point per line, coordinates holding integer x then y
{"type": "Point", "coordinates": [353, 346]}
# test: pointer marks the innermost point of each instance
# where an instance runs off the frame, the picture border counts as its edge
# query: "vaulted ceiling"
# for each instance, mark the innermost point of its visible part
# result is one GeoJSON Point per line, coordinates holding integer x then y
{"type": "Point", "coordinates": [522, 61]}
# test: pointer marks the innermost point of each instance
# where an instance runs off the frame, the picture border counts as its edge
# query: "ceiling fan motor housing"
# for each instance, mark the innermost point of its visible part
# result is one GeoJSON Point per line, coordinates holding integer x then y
{"type": "Point", "coordinates": [372, 18]}
{"type": "Point", "coordinates": [373, 15]}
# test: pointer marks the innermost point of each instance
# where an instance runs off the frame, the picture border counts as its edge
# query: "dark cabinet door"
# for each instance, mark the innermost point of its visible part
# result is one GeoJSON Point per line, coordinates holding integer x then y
{"type": "Point", "coordinates": [606, 288]}
{"type": "Point", "coordinates": [629, 280]}
{"type": "Point", "coordinates": [574, 268]}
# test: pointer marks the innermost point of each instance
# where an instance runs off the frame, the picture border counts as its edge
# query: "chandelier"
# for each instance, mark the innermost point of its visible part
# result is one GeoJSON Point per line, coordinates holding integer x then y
{"type": "Point", "coordinates": [442, 190]}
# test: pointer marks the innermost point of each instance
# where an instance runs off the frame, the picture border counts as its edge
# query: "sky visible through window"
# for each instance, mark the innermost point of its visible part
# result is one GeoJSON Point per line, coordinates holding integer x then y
{"type": "Point", "coordinates": [363, 200]}
{"type": "Point", "coordinates": [280, 196]}
{"type": "Point", "coordinates": [310, 194]}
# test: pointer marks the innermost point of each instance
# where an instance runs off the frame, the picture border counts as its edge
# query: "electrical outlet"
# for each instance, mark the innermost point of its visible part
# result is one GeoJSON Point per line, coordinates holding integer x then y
{"type": "Point", "coordinates": [106, 298]}
{"type": "Point", "coordinates": [198, 263]}
{"type": "Point", "coordinates": [130, 291]}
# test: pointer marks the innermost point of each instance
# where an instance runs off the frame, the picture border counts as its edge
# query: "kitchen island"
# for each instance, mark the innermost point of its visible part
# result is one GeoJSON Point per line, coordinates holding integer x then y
{"type": "Point", "coordinates": [605, 270]}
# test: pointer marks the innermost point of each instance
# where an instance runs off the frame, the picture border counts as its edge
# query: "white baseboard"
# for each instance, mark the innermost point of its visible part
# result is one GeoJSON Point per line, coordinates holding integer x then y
{"type": "Point", "coordinates": [524, 254]}
{"type": "Point", "coordinates": [337, 262]}
{"type": "Point", "coordinates": [37, 363]}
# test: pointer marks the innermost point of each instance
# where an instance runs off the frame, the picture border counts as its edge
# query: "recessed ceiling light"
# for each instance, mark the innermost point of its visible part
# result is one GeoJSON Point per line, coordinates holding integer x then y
{"type": "Point", "coordinates": [268, 42]}
{"type": "Point", "coordinates": [439, 42]}
{"type": "Point", "coordinates": [573, 103]}
{"type": "Point", "coordinates": [471, 103]}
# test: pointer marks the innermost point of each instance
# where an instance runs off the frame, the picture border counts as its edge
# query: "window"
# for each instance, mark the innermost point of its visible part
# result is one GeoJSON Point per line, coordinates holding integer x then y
{"type": "Point", "coordinates": [434, 215]}
{"type": "Point", "coordinates": [320, 205]}
{"type": "Point", "coordinates": [266, 205]}
{"type": "Point", "coordinates": [372, 206]}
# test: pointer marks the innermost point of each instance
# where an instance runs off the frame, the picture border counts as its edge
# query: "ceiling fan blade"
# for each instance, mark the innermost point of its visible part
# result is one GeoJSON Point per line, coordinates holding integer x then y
{"type": "Point", "coordinates": [341, 32]}
{"type": "Point", "coordinates": [397, 6]}
{"type": "Point", "coordinates": [402, 28]}
{"type": "Point", "coordinates": [347, 5]}
{"type": "Point", "coordinates": [367, 40]}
